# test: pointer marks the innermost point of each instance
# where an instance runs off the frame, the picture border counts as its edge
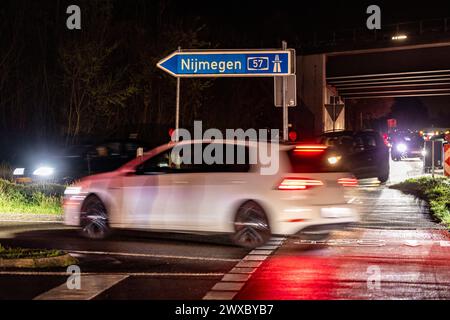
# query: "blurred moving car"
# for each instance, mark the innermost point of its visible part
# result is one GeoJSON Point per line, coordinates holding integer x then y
{"type": "Point", "coordinates": [406, 144]}
{"type": "Point", "coordinates": [364, 153]}
{"type": "Point", "coordinates": [74, 162]}
{"type": "Point", "coordinates": [305, 195]}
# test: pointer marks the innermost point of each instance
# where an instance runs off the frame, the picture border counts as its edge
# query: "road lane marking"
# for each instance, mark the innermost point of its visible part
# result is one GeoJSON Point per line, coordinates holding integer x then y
{"type": "Point", "coordinates": [267, 248]}
{"type": "Point", "coordinates": [150, 255]}
{"type": "Point", "coordinates": [274, 243]}
{"type": "Point", "coordinates": [372, 242]}
{"type": "Point", "coordinates": [131, 274]}
{"type": "Point", "coordinates": [236, 278]}
{"type": "Point", "coordinates": [250, 257]}
{"type": "Point", "coordinates": [261, 252]}
{"type": "Point", "coordinates": [91, 286]}
{"type": "Point", "coordinates": [228, 286]}
{"type": "Point", "coordinates": [242, 270]}
{"type": "Point", "coordinates": [444, 243]}
{"type": "Point", "coordinates": [411, 243]}
{"type": "Point", "coordinates": [220, 295]}
{"type": "Point", "coordinates": [248, 264]}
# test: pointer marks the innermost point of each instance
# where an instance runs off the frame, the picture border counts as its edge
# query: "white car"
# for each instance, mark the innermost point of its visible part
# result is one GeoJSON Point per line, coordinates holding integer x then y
{"type": "Point", "coordinates": [306, 194]}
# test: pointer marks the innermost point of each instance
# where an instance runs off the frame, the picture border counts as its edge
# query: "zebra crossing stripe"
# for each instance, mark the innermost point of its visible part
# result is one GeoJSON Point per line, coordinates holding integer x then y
{"type": "Point", "coordinates": [233, 281]}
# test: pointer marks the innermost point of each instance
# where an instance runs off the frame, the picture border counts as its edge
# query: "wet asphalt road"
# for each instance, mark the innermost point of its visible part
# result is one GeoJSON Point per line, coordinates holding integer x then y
{"type": "Point", "coordinates": [396, 252]}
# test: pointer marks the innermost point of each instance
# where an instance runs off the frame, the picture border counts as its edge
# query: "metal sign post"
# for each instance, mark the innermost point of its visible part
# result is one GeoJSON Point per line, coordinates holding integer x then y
{"type": "Point", "coordinates": [177, 108]}
{"type": "Point", "coordinates": [432, 159]}
{"type": "Point", "coordinates": [285, 108]}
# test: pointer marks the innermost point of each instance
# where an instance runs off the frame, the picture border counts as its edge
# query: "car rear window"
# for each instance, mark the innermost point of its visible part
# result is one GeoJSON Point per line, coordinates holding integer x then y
{"type": "Point", "coordinates": [326, 160]}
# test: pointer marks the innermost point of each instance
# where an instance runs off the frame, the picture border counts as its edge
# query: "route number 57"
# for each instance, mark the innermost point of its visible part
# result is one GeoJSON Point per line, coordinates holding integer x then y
{"type": "Point", "coordinates": [258, 63]}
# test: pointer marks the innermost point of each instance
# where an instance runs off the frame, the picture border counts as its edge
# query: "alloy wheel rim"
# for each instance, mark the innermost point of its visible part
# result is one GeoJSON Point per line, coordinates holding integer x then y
{"type": "Point", "coordinates": [96, 223]}
{"type": "Point", "coordinates": [251, 226]}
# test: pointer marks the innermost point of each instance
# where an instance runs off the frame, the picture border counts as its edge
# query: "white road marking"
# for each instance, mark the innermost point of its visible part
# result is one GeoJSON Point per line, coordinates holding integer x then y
{"type": "Point", "coordinates": [228, 286]}
{"type": "Point", "coordinates": [150, 255]}
{"type": "Point", "coordinates": [373, 242]}
{"type": "Point", "coordinates": [411, 243]}
{"type": "Point", "coordinates": [267, 248]}
{"type": "Point", "coordinates": [131, 274]}
{"type": "Point", "coordinates": [242, 270]}
{"type": "Point", "coordinates": [91, 286]}
{"type": "Point", "coordinates": [261, 252]}
{"type": "Point", "coordinates": [236, 277]}
{"type": "Point", "coordinates": [274, 243]}
{"type": "Point", "coordinates": [254, 258]}
{"type": "Point", "coordinates": [233, 281]}
{"type": "Point", "coordinates": [220, 295]}
{"type": "Point", "coordinates": [248, 264]}
{"type": "Point", "coordinates": [277, 238]}
{"type": "Point", "coordinates": [444, 243]}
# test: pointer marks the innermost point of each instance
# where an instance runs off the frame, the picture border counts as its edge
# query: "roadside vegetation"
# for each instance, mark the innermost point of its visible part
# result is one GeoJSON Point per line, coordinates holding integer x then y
{"type": "Point", "coordinates": [435, 191]}
{"type": "Point", "coordinates": [36, 198]}
{"type": "Point", "coordinates": [21, 253]}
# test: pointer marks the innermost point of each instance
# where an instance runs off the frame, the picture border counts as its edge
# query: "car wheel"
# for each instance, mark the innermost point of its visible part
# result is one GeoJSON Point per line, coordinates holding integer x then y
{"type": "Point", "coordinates": [251, 226]}
{"type": "Point", "coordinates": [94, 219]}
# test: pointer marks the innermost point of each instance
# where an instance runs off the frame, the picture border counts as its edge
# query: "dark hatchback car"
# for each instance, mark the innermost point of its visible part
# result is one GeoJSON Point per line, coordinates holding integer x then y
{"type": "Point", "coordinates": [74, 162]}
{"type": "Point", "coordinates": [364, 153]}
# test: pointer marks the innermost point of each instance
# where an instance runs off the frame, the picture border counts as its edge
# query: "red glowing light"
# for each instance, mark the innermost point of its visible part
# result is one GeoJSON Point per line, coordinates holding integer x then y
{"type": "Point", "coordinates": [318, 148]}
{"type": "Point", "coordinates": [348, 182]}
{"type": "Point", "coordinates": [298, 184]}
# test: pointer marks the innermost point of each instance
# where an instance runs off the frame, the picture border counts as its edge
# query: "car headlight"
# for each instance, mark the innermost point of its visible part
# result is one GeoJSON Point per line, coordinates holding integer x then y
{"type": "Point", "coordinates": [44, 171]}
{"type": "Point", "coordinates": [401, 147]}
{"type": "Point", "coordinates": [334, 159]}
{"type": "Point", "coordinates": [72, 190]}
{"type": "Point", "coordinates": [19, 171]}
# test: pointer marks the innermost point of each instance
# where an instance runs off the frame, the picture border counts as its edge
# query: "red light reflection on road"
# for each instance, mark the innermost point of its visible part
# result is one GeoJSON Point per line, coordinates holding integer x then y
{"type": "Point", "coordinates": [293, 277]}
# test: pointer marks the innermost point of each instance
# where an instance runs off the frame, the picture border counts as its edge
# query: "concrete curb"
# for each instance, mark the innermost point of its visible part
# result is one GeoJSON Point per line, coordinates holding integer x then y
{"type": "Point", "coordinates": [29, 217]}
{"type": "Point", "coordinates": [59, 261]}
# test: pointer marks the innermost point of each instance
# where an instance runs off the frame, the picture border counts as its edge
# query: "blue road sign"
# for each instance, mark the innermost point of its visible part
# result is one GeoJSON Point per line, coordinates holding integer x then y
{"type": "Point", "coordinates": [240, 63]}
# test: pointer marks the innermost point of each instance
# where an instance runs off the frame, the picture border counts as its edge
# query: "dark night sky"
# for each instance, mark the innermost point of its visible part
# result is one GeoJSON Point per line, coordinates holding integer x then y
{"type": "Point", "coordinates": [268, 22]}
{"type": "Point", "coordinates": [226, 24]}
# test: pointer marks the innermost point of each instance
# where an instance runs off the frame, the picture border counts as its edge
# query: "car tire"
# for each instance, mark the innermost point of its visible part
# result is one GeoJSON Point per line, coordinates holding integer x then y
{"type": "Point", "coordinates": [94, 219]}
{"type": "Point", "coordinates": [251, 226]}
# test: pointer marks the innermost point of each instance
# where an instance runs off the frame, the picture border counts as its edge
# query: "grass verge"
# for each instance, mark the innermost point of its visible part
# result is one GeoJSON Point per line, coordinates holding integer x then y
{"type": "Point", "coordinates": [435, 191]}
{"type": "Point", "coordinates": [22, 253]}
{"type": "Point", "coordinates": [37, 199]}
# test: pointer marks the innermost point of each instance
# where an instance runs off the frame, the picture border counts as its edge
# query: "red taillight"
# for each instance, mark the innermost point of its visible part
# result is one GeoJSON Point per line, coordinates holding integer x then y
{"type": "Point", "coordinates": [298, 184]}
{"type": "Point", "coordinates": [348, 182]}
{"type": "Point", "coordinates": [308, 149]}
